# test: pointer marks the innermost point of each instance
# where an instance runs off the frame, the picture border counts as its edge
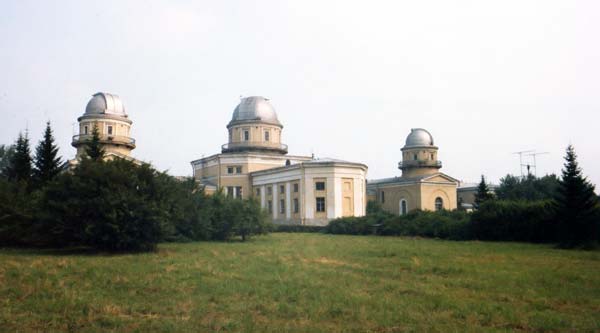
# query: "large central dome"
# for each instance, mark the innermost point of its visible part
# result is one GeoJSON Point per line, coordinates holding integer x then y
{"type": "Point", "coordinates": [255, 108]}
{"type": "Point", "coordinates": [419, 137]}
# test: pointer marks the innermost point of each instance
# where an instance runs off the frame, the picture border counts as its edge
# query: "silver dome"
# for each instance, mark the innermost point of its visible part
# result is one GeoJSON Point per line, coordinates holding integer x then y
{"type": "Point", "coordinates": [255, 108]}
{"type": "Point", "coordinates": [105, 103]}
{"type": "Point", "coordinates": [419, 137]}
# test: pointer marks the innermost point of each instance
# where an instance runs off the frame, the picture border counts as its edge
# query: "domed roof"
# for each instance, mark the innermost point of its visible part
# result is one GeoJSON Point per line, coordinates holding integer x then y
{"type": "Point", "coordinates": [255, 108]}
{"type": "Point", "coordinates": [419, 137]}
{"type": "Point", "coordinates": [105, 103]}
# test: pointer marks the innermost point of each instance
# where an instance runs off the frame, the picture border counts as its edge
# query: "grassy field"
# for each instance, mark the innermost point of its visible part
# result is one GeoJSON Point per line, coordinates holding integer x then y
{"type": "Point", "coordinates": [305, 283]}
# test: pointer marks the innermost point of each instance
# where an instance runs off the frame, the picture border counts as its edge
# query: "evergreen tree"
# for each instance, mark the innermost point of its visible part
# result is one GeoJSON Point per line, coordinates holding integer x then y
{"type": "Point", "coordinates": [94, 148]}
{"type": "Point", "coordinates": [47, 162]}
{"type": "Point", "coordinates": [483, 192]}
{"type": "Point", "coordinates": [6, 153]}
{"type": "Point", "coordinates": [576, 206]}
{"type": "Point", "coordinates": [19, 166]}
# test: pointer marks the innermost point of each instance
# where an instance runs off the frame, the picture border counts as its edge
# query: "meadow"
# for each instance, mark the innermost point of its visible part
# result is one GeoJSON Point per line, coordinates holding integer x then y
{"type": "Point", "coordinates": [304, 283]}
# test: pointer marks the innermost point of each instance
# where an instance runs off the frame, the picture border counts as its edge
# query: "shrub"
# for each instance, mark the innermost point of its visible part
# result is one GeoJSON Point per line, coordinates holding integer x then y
{"type": "Point", "coordinates": [298, 228]}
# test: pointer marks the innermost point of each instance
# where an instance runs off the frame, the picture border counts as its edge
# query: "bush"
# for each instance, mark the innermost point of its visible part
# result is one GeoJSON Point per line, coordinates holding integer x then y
{"type": "Point", "coordinates": [525, 221]}
{"type": "Point", "coordinates": [298, 228]}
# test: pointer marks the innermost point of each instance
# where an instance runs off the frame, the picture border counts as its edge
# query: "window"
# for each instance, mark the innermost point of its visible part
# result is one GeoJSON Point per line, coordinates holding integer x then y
{"type": "Point", "coordinates": [320, 186]}
{"type": "Point", "coordinates": [246, 135]}
{"type": "Point", "coordinates": [230, 190]}
{"type": "Point", "coordinates": [296, 206]}
{"type": "Point", "coordinates": [270, 206]}
{"type": "Point", "coordinates": [382, 197]}
{"type": "Point", "coordinates": [320, 204]}
{"type": "Point", "coordinates": [238, 169]}
{"type": "Point", "coordinates": [109, 129]}
{"type": "Point", "coordinates": [281, 189]}
{"type": "Point", "coordinates": [432, 157]}
{"type": "Point", "coordinates": [269, 190]}
{"type": "Point", "coordinates": [238, 192]}
{"type": "Point", "coordinates": [403, 207]}
{"type": "Point", "coordinates": [281, 206]}
{"type": "Point", "coordinates": [85, 130]}
{"type": "Point", "coordinates": [258, 191]}
{"type": "Point", "coordinates": [267, 135]}
{"type": "Point", "coordinates": [296, 188]}
{"type": "Point", "coordinates": [415, 157]}
{"type": "Point", "coordinates": [230, 170]}
{"type": "Point", "coordinates": [439, 204]}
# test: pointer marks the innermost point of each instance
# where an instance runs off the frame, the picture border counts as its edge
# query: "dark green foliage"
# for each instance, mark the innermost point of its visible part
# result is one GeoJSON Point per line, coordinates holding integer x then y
{"type": "Point", "coordinates": [17, 208]}
{"type": "Point", "coordinates": [576, 206]}
{"type": "Point", "coordinates": [483, 192]}
{"type": "Point", "coordinates": [113, 206]}
{"type": "Point", "coordinates": [351, 226]}
{"type": "Point", "coordinates": [19, 166]}
{"type": "Point", "coordinates": [298, 228]}
{"type": "Point", "coordinates": [46, 162]}
{"type": "Point", "coordinates": [524, 221]}
{"type": "Point", "coordinates": [93, 148]}
{"type": "Point", "coordinates": [6, 153]}
{"type": "Point", "coordinates": [528, 188]}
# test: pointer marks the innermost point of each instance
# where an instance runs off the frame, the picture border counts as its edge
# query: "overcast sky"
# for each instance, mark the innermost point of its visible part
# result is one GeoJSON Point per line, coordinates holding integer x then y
{"type": "Point", "coordinates": [348, 79]}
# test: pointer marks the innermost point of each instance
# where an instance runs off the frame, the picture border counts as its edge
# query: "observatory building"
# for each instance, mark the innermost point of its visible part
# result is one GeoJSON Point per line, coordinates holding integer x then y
{"type": "Point", "coordinates": [107, 113]}
{"type": "Point", "coordinates": [293, 189]}
{"type": "Point", "coordinates": [421, 186]}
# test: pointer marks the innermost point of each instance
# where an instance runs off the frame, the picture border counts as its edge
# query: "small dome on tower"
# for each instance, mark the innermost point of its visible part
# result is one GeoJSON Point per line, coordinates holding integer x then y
{"type": "Point", "coordinates": [419, 137]}
{"type": "Point", "coordinates": [255, 108]}
{"type": "Point", "coordinates": [105, 103]}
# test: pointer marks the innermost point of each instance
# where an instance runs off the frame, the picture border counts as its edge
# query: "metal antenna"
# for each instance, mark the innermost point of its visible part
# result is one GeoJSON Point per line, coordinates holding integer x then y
{"type": "Point", "coordinates": [534, 160]}
{"type": "Point", "coordinates": [521, 165]}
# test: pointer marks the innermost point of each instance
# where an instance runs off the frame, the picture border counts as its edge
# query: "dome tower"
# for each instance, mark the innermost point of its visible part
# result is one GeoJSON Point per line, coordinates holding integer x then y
{"type": "Point", "coordinates": [419, 155]}
{"type": "Point", "coordinates": [106, 111]}
{"type": "Point", "coordinates": [255, 127]}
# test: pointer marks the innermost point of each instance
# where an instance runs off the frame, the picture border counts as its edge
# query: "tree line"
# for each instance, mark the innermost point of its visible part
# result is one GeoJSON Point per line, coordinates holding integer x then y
{"type": "Point", "coordinates": [109, 205]}
{"type": "Point", "coordinates": [564, 211]}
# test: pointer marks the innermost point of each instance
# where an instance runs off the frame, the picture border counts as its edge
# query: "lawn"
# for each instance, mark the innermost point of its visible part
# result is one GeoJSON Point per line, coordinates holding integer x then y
{"type": "Point", "coordinates": [305, 283]}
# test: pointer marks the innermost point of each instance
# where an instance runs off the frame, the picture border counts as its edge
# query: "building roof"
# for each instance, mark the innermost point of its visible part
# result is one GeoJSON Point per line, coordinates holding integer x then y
{"type": "Point", "coordinates": [312, 163]}
{"type": "Point", "coordinates": [105, 103]}
{"type": "Point", "coordinates": [255, 108]}
{"type": "Point", "coordinates": [419, 137]}
{"type": "Point", "coordinates": [406, 180]}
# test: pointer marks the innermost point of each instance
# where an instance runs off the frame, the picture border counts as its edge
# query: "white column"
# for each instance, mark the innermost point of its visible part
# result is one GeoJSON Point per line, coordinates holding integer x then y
{"type": "Point", "coordinates": [288, 200]}
{"type": "Point", "coordinates": [275, 199]}
{"type": "Point", "coordinates": [263, 196]}
{"type": "Point", "coordinates": [334, 197]}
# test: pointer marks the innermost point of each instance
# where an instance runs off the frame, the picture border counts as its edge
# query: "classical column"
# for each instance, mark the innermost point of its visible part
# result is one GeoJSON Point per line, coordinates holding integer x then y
{"type": "Point", "coordinates": [288, 200]}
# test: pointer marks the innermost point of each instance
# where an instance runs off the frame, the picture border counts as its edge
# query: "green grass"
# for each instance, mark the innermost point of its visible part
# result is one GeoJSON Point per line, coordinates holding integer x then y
{"type": "Point", "coordinates": [305, 283]}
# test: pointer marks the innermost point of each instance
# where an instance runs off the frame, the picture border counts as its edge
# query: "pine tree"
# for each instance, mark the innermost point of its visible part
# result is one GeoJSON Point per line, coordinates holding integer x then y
{"type": "Point", "coordinates": [19, 166]}
{"type": "Point", "coordinates": [483, 192]}
{"type": "Point", "coordinates": [6, 153]}
{"type": "Point", "coordinates": [576, 206]}
{"type": "Point", "coordinates": [94, 148]}
{"type": "Point", "coordinates": [47, 162]}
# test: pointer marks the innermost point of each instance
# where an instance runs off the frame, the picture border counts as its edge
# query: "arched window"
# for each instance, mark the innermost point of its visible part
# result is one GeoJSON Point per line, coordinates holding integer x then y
{"type": "Point", "coordinates": [439, 204]}
{"type": "Point", "coordinates": [403, 207]}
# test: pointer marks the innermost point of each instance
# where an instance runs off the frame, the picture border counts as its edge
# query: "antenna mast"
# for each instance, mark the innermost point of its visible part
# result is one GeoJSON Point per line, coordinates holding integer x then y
{"type": "Point", "coordinates": [521, 165]}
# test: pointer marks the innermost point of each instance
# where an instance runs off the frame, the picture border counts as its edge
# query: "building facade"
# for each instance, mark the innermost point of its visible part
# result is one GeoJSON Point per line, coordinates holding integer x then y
{"type": "Point", "coordinates": [293, 189]}
{"type": "Point", "coordinates": [422, 186]}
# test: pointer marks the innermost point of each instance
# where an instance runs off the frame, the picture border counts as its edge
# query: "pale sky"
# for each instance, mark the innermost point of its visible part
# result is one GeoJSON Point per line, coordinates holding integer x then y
{"type": "Point", "coordinates": [348, 79]}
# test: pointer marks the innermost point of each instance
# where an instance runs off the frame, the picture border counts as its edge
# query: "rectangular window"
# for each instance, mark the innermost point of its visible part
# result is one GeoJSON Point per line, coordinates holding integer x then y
{"type": "Point", "coordinates": [382, 197]}
{"type": "Point", "coordinates": [320, 186]}
{"type": "Point", "coordinates": [238, 192]}
{"type": "Point", "coordinates": [270, 206]}
{"type": "Point", "coordinates": [238, 169]}
{"type": "Point", "coordinates": [320, 204]}
{"type": "Point", "coordinates": [267, 135]}
{"type": "Point", "coordinates": [85, 130]}
{"type": "Point", "coordinates": [258, 192]}
{"type": "Point", "coordinates": [281, 206]}
{"type": "Point", "coordinates": [281, 189]}
{"type": "Point", "coordinates": [296, 188]}
{"type": "Point", "coordinates": [296, 206]}
{"type": "Point", "coordinates": [230, 190]}
{"type": "Point", "coordinates": [246, 135]}
{"type": "Point", "coordinates": [269, 190]}
{"type": "Point", "coordinates": [230, 170]}
{"type": "Point", "coordinates": [109, 130]}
